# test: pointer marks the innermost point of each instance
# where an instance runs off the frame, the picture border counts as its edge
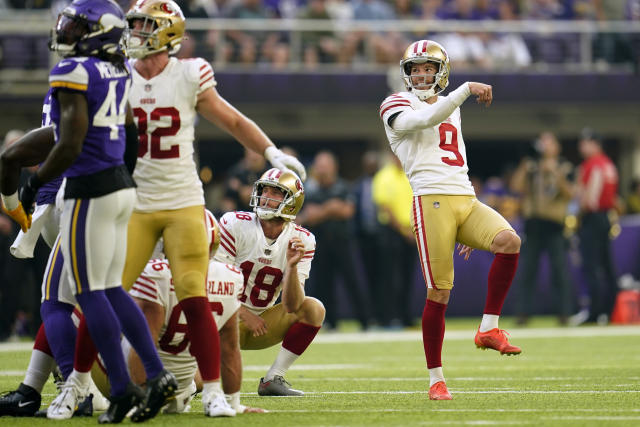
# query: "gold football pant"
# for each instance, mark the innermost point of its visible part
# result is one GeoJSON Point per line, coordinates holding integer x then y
{"type": "Point", "coordinates": [185, 246]}
{"type": "Point", "coordinates": [278, 323]}
{"type": "Point", "coordinates": [439, 221]}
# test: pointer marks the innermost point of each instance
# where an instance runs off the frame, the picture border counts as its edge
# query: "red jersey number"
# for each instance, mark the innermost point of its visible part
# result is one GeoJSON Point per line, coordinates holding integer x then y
{"type": "Point", "coordinates": [174, 327]}
{"type": "Point", "coordinates": [260, 284]}
{"type": "Point", "coordinates": [450, 133]}
{"type": "Point", "coordinates": [156, 150]}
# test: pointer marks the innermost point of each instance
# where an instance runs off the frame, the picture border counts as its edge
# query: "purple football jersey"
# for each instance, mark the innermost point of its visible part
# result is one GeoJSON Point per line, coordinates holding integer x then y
{"type": "Point", "coordinates": [47, 193]}
{"type": "Point", "coordinates": [106, 89]}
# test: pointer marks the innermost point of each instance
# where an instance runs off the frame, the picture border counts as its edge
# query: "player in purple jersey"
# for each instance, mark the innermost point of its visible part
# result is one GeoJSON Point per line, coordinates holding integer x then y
{"type": "Point", "coordinates": [57, 299]}
{"type": "Point", "coordinates": [88, 109]}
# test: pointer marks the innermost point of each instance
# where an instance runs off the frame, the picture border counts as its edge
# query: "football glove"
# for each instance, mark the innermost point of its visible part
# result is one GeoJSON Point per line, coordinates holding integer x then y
{"type": "Point", "coordinates": [283, 161]}
{"type": "Point", "coordinates": [20, 216]}
{"type": "Point", "coordinates": [28, 193]}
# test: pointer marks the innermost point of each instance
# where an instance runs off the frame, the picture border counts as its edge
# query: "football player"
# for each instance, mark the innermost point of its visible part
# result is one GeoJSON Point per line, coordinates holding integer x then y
{"type": "Point", "coordinates": [89, 90]}
{"type": "Point", "coordinates": [155, 295]}
{"type": "Point", "coordinates": [275, 257]}
{"type": "Point", "coordinates": [424, 130]}
{"type": "Point", "coordinates": [166, 95]}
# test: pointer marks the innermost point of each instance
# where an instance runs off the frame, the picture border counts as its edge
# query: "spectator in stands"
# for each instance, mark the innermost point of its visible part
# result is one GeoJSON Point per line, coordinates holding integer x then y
{"type": "Point", "coordinates": [318, 46]}
{"type": "Point", "coordinates": [597, 195]}
{"type": "Point", "coordinates": [328, 210]}
{"type": "Point", "coordinates": [370, 239]}
{"type": "Point", "coordinates": [465, 49]}
{"type": "Point", "coordinates": [239, 183]}
{"type": "Point", "coordinates": [250, 47]}
{"type": "Point", "coordinates": [633, 200]}
{"type": "Point", "coordinates": [393, 196]}
{"type": "Point", "coordinates": [508, 50]}
{"type": "Point", "coordinates": [609, 48]}
{"type": "Point", "coordinates": [545, 184]}
{"type": "Point", "coordinates": [360, 41]}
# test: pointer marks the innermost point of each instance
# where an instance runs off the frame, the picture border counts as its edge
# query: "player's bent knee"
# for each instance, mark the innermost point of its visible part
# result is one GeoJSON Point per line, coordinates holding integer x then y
{"type": "Point", "coordinates": [506, 242]}
{"type": "Point", "coordinates": [190, 285]}
{"type": "Point", "coordinates": [312, 311]}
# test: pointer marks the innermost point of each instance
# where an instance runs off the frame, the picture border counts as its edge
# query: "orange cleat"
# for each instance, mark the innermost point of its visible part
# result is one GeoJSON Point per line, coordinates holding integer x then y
{"type": "Point", "coordinates": [439, 391]}
{"type": "Point", "coordinates": [497, 340]}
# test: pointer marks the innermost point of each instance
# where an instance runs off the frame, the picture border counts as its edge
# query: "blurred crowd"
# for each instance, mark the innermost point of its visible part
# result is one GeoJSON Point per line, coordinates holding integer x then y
{"type": "Point", "coordinates": [347, 47]}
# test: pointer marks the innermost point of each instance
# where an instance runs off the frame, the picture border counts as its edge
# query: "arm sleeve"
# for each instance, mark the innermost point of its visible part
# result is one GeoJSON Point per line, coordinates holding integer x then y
{"type": "Point", "coordinates": [433, 114]}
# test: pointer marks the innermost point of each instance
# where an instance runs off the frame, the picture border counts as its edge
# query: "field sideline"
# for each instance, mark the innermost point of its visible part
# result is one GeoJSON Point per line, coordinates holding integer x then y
{"type": "Point", "coordinates": [586, 376]}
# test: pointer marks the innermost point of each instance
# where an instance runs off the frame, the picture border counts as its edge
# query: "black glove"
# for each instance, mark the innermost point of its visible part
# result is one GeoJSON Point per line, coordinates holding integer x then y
{"type": "Point", "coordinates": [28, 193]}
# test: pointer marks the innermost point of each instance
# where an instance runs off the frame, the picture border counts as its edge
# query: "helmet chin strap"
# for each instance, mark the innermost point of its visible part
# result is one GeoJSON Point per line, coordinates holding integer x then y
{"type": "Point", "coordinates": [423, 95]}
{"type": "Point", "coordinates": [265, 213]}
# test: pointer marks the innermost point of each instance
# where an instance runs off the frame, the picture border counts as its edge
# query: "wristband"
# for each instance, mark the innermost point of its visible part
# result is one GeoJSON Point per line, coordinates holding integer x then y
{"type": "Point", "coordinates": [10, 202]}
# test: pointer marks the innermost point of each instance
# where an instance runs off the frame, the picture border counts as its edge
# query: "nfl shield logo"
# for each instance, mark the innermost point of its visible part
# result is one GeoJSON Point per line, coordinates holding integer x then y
{"type": "Point", "coordinates": [436, 205]}
{"type": "Point", "coordinates": [147, 87]}
{"type": "Point", "coordinates": [267, 251]}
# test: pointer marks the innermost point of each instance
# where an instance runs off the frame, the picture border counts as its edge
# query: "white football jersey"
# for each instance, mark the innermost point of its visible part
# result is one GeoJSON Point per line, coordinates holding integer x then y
{"type": "Point", "coordinates": [434, 159]}
{"type": "Point", "coordinates": [243, 244]}
{"type": "Point", "coordinates": [224, 286]}
{"type": "Point", "coordinates": [165, 111]}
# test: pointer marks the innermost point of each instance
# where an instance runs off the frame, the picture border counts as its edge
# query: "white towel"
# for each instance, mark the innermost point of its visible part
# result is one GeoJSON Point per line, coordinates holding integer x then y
{"type": "Point", "coordinates": [24, 244]}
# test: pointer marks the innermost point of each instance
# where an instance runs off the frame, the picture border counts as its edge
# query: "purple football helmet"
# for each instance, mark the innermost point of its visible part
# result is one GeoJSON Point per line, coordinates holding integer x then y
{"type": "Point", "coordinates": [88, 28]}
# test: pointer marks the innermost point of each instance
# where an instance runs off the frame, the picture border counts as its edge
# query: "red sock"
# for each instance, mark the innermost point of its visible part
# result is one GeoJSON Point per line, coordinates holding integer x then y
{"type": "Point", "coordinates": [299, 336]}
{"type": "Point", "coordinates": [41, 343]}
{"type": "Point", "coordinates": [203, 335]}
{"type": "Point", "coordinates": [86, 351]}
{"type": "Point", "coordinates": [433, 332]}
{"type": "Point", "coordinates": [501, 274]}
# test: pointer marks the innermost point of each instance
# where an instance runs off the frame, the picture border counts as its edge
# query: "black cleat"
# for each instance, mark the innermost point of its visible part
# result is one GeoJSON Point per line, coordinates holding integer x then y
{"type": "Point", "coordinates": [120, 406]}
{"type": "Point", "coordinates": [23, 402]}
{"type": "Point", "coordinates": [159, 389]}
{"type": "Point", "coordinates": [85, 408]}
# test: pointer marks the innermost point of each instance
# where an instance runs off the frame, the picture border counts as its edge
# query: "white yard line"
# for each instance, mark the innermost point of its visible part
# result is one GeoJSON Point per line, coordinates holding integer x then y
{"type": "Point", "coordinates": [454, 391]}
{"type": "Point", "coordinates": [397, 336]}
{"type": "Point", "coordinates": [381, 336]}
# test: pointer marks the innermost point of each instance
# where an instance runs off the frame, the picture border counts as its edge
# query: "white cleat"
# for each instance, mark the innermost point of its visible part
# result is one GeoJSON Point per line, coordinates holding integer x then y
{"type": "Point", "coordinates": [100, 403]}
{"type": "Point", "coordinates": [215, 405]}
{"type": "Point", "coordinates": [65, 403]}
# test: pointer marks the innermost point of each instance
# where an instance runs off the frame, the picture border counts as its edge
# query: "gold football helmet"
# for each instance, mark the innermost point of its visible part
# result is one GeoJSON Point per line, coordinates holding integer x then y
{"type": "Point", "coordinates": [213, 232]}
{"type": "Point", "coordinates": [289, 183]}
{"type": "Point", "coordinates": [426, 51]}
{"type": "Point", "coordinates": [160, 26]}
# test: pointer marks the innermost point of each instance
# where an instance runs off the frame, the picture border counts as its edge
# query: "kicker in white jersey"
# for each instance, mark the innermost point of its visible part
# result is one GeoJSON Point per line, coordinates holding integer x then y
{"type": "Point", "coordinates": [242, 243]}
{"type": "Point", "coordinates": [434, 158]}
{"type": "Point", "coordinates": [224, 285]}
{"type": "Point", "coordinates": [166, 171]}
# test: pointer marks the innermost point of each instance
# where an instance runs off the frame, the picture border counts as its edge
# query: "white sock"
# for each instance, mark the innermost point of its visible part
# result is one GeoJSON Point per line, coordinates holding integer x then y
{"type": "Point", "coordinates": [233, 400]}
{"type": "Point", "coordinates": [40, 366]}
{"type": "Point", "coordinates": [489, 322]}
{"type": "Point", "coordinates": [281, 365]}
{"type": "Point", "coordinates": [435, 375]}
{"type": "Point", "coordinates": [212, 387]}
{"type": "Point", "coordinates": [80, 379]}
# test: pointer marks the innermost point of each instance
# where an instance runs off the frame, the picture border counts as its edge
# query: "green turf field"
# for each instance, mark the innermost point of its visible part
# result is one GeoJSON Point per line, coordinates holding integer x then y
{"type": "Point", "coordinates": [587, 376]}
